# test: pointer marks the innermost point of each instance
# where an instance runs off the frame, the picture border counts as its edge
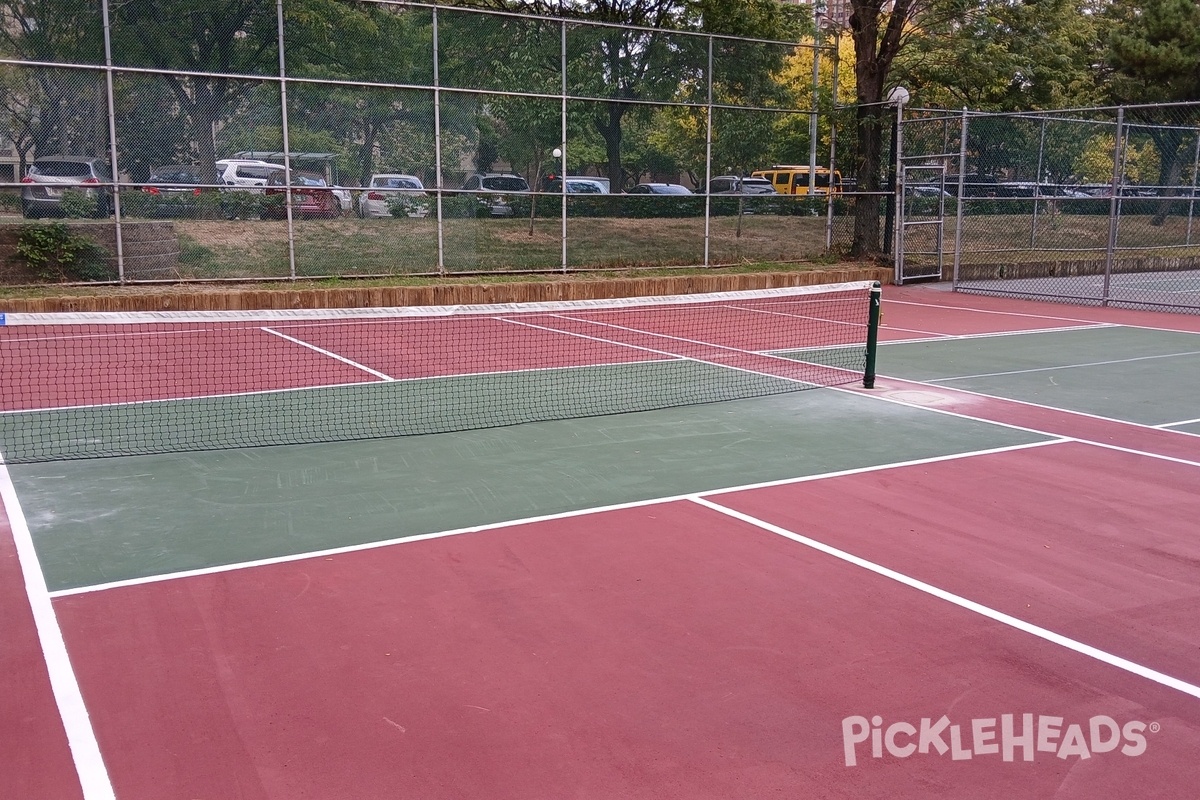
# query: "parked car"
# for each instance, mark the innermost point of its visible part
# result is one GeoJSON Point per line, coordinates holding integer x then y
{"type": "Point", "coordinates": [249, 174]}
{"type": "Point", "coordinates": [494, 189]}
{"type": "Point", "coordinates": [918, 190]}
{"type": "Point", "coordinates": [174, 190]}
{"type": "Point", "coordinates": [344, 197]}
{"type": "Point", "coordinates": [732, 184]}
{"type": "Point", "coordinates": [389, 189]}
{"type": "Point", "coordinates": [311, 196]}
{"type": "Point", "coordinates": [793, 179]}
{"type": "Point", "coordinates": [659, 188]}
{"type": "Point", "coordinates": [576, 184]}
{"type": "Point", "coordinates": [50, 177]}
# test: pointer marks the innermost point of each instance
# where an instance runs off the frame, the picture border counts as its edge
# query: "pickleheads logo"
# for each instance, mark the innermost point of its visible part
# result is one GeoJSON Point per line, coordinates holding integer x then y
{"type": "Point", "coordinates": [1005, 737]}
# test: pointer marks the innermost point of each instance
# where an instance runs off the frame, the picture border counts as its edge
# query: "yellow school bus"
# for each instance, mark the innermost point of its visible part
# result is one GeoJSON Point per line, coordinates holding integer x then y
{"type": "Point", "coordinates": [788, 179]}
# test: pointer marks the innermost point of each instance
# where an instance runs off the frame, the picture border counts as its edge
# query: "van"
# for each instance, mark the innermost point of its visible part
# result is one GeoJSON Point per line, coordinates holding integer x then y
{"type": "Point", "coordinates": [789, 179]}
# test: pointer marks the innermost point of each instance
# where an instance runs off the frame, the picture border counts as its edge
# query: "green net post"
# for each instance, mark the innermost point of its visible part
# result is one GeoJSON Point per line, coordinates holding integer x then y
{"type": "Point", "coordinates": [872, 335]}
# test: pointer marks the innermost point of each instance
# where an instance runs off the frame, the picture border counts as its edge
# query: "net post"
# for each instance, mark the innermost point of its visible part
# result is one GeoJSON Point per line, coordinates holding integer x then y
{"type": "Point", "coordinates": [872, 334]}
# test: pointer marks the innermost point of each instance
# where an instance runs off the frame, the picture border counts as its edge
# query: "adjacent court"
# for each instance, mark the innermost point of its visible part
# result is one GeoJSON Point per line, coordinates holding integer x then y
{"type": "Point", "coordinates": [613, 554]}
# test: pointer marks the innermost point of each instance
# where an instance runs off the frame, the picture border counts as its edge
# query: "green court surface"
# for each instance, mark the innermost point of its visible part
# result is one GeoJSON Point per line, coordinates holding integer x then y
{"type": "Point", "coordinates": [1133, 374]}
{"type": "Point", "coordinates": [104, 520]}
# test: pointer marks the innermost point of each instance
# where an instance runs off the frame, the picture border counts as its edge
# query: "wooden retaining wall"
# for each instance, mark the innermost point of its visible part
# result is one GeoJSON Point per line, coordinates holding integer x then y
{"type": "Point", "coordinates": [206, 298]}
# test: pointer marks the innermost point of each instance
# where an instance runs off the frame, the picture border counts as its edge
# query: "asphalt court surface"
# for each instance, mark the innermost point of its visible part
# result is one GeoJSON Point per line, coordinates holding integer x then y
{"type": "Point", "coordinates": [657, 648]}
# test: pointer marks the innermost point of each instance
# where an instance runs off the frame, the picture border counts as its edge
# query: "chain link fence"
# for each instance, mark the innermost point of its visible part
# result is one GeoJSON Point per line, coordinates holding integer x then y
{"type": "Point", "coordinates": [401, 139]}
{"type": "Point", "coordinates": [1091, 206]}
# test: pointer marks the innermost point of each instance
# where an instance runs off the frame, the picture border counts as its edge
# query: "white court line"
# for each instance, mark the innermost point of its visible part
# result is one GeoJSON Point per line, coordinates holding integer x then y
{"type": "Point", "coordinates": [81, 738]}
{"type": "Point", "coordinates": [420, 537]}
{"type": "Point", "coordinates": [1110, 362]}
{"type": "Point", "coordinates": [1084, 321]}
{"type": "Point", "coordinates": [962, 602]}
{"type": "Point", "coordinates": [953, 337]}
{"type": "Point", "coordinates": [972, 418]}
{"type": "Point", "coordinates": [679, 356]}
{"type": "Point", "coordinates": [887, 301]}
{"type": "Point", "coordinates": [1168, 425]}
{"type": "Point", "coordinates": [330, 354]}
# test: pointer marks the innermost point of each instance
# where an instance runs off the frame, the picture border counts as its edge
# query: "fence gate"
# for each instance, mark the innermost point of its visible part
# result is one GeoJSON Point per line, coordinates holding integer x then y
{"type": "Point", "coordinates": [921, 213]}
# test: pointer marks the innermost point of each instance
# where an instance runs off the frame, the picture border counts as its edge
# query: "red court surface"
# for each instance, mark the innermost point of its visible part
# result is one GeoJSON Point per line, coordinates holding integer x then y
{"type": "Point", "coordinates": [35, 760]}
{"type": "Point", "coordinates": [1016, 624]}
{"type": "Point", "coordinates": [665, 651]}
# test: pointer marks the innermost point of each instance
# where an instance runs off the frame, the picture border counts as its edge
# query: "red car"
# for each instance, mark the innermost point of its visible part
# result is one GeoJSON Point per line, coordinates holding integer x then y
{"type": "Point", "coordinates": [311, 196]}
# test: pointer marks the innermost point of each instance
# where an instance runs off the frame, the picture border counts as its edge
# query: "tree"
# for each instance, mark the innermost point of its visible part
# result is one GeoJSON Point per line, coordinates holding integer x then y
{"type": "Point", "coordinates": [216, 37]}
{"type": "Point", "coordinates": [58, 110]}
{"type": "Point", "coordinates": [1154, 49]}
{"type": "Point", "coordinates": [878, 37]}
{"type": "Point", "coordinates": [996, 55]}
{"type": "Point", "coordinates": [628, 69]}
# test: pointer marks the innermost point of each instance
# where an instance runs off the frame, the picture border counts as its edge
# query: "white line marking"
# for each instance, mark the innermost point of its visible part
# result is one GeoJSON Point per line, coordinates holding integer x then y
{"type": "Point", "coordinates": [888, 301]}
{"type": "Point", "coordinates": [794, 363]}
{"type": "Point", "coordinates": [961, 415]}
{"type": "Point", "coordinates": [1110, 362]}
{"type": "Point", "coordinates": [330, 354]}
{"type": "Point", "coordinates": [85, 750]}
{"type": "Point", "coordinates": [420, 537]}
{"type": "Point", "coordinates": [962, 602]}
{"type": "Point", "coordinates": [994, 334]}
{"type": "Point", "coordinates": [1168, 425]}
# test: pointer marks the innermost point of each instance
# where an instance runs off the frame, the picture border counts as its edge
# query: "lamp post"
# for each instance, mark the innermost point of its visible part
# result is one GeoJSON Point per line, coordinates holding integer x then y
{"type": "Point", "coordinates": [557, 153]}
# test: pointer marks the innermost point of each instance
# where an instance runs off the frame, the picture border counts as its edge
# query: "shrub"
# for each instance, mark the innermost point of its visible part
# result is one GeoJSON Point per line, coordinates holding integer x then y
{"type": "Point", "coordinates": [56, 253]}
{"type": "Point", "coordinates": [77, 204]}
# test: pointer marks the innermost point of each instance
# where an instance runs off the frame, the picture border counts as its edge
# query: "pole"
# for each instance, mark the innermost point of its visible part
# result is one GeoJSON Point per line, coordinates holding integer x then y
{"type": "Point", "coordinates": [287, 148]}
{"type": "Point", "coordinates": [873, 334]}
{"type": "Point", "coordinates": [812, 115]}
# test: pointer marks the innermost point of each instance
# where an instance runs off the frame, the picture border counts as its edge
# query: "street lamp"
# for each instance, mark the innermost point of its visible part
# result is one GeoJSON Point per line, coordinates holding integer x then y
{"type": "Point", "coordinates": [558, 169]}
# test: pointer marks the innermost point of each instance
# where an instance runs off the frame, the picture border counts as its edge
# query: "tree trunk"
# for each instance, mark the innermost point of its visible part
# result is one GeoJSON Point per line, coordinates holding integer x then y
{"type": "Point", "coordinates": [1170, 159]}
{"type": "Point", "coordinates": [869, 123]}
{"type": "Point", "coordinates": [874, 51]}
{"type": "Point", "coordinates": [610, 130]}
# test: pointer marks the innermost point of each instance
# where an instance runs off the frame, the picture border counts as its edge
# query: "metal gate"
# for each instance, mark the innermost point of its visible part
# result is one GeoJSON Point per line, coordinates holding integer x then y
{"type": "Point", "coordinates": [926, 149]}
{"type": "Point", "coordinates": [921, 210]}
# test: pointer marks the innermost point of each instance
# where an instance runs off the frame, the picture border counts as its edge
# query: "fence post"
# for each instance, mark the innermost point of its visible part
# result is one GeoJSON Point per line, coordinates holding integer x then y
{"type": "Point", "coordinates": [708, 139]}
{"type": "Point", "coordinates": [962, 185]}
{"type": "Point", "coordinates": [287, 148]}
{"type": "Point", "coordinates": [439, 178]}
{"type": "Point", "coordinates": [562, 137]}
{"type": "Point", "coordinates": [1114, 203]}
{"type": "Point", "coordinates": [1192, 194]}
{"type": "Point", "coordinates": [1037, 186]}
{"type": "Point", "coordinates": [112, 141]}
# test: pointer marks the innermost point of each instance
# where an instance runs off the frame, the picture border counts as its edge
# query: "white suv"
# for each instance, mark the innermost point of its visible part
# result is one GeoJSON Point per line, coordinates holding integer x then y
{"type": "Point", "coordinates": [244, 173]}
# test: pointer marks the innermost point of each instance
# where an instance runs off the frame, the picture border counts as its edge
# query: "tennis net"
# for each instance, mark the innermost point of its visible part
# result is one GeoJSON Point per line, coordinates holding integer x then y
{"type": "Point", "coordinates": [87, 385]}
